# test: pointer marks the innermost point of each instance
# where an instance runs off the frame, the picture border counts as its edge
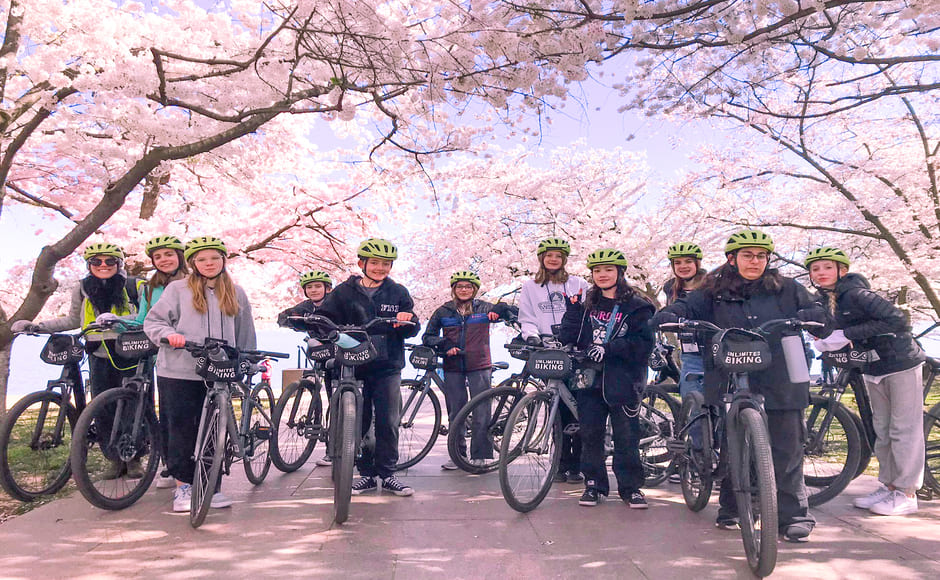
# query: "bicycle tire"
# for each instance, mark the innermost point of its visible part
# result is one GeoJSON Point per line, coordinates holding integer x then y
{"type": "Point", "coordinates": [753, 472]}
{"type": "Point", "coordinates": [696, 467]}
{"type": "Point", "coordinates": [88, 457]}
{"type": "Point", "coordinates": [49, 454]}
{"type": "Point", "coordinates": [831, 455]}
{"type": "Point", "coordinates": [500, 401]}
{"type": "Point", "coordinates": [529, 457]}
{"type": "Point", "coordinates": [343, 462]}
{"type": "Point", "coordinates": [417, 436]}
{"type": "Point", "coordinates": [261, 431]}
{"type": "Point", "coordinates": [210, 454]}
{"type": "Point", "coordinates": [658, 412]}
{"type": "Point", "coordinates": [932, 441]}
{"type": "Point", "coordinates": [524, 384]}
{"type": "Point", "coordinates": [299, 421]}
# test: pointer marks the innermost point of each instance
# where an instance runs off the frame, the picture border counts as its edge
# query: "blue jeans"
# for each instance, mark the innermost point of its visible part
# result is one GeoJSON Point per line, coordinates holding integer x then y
{"type": "Point", "coordinates": [456, 386]}
{"type": "Point", "coordinates": [692, 364]}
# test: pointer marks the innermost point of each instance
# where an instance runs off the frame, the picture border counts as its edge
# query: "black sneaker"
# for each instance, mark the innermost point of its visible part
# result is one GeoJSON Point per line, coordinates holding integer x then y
{"type": "Point", "coordinates": [798, 532]}
{"type": "Point", "coordinates": [724, 523]}
{"type": "Point", "coordinates": [560, 477]}
{"type": "Point", "coordinates": [364, 484]}
{"type": "Point", "coordinates": [589, 497]}
{"type": "Point", "coordinates": [637, 500]}
{"type": "Point", "coordinates": [574, 477]}
{"type": "Point", "coordinates": [395, 486]}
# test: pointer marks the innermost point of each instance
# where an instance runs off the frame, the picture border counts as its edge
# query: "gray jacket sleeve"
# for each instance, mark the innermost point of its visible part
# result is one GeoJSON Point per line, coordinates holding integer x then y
{"type": "Point", "coordinates": [162, 318]}
{"type": "Point", "coordinates": [70, 321]}
{"type": "Point", "coordinates": [245, 338]}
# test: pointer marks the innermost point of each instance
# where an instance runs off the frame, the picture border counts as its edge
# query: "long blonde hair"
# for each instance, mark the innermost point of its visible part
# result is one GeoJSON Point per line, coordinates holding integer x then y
{"type": "Point", "coordinates": [224, 290]}
{"type": "Point", "coordinates": [559, 277]}
{"type": "Point", "coordinates": [463, 308]}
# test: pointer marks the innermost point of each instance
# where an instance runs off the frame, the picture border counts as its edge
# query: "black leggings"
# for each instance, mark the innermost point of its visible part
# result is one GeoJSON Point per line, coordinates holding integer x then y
{"type": "Point", "coordinates": [181, 405]}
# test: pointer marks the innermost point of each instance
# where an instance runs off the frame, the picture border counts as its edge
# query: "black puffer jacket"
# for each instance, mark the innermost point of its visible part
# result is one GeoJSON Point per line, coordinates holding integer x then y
{"type": "Point", "coordinates": [872, 323]}
{"type": "Point", "coordinates": [625, 371]}
{"type": "Point", "coordinates": [348, 303]}
{"type": "Point", "coordinates": [749, 309]}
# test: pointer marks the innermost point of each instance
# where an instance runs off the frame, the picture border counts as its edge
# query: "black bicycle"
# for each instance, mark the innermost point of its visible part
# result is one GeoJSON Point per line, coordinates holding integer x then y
{"type": "Point", "coordinates": [738, 419]}
{"type": "Point", "coordinates": [222, 437]}
{"type": "Point", "coordinates": [120, 425]}
{"type": "Point", "coordinates": [36, 432]}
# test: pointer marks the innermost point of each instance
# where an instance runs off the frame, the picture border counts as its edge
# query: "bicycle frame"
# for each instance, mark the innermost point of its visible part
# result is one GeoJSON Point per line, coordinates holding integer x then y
{"type": "Point", "coordinates": [69, 383]}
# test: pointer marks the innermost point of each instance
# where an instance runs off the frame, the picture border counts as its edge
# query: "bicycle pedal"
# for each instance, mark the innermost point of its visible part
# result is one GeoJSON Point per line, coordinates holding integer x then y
{"type": "Point", "coordinates": [263, 432]}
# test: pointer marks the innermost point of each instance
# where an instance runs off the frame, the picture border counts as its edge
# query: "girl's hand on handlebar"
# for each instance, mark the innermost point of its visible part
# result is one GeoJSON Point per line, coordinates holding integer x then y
{"type": "Point", "coordinates": [492, 316]}
{"type": "Point", "coordinates": [176, 340]}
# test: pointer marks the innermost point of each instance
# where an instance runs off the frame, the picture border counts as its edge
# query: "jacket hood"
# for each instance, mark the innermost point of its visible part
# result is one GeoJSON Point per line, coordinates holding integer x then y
{"type": "Point", "coordinates": [850, 281]}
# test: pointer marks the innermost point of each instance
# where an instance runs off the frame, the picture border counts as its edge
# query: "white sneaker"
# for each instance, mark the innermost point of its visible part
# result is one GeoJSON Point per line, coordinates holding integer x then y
{"type": "Point", "coordinates": [182, 498]}
{"type": "Point", "coordinates": [220, 500]}
{"type": "Point", "coordinates": [479, 462]}
{"type": "Point", "coordinates": [449, 466]}
{"type": "Point", "coordinates": [325, 461]}
{"type": "Point", "coordinates": [896, 504]}
{"type": "Point", "coordinates": [165, 482]}
{"type": "Point", "coordinates": [871, 499]}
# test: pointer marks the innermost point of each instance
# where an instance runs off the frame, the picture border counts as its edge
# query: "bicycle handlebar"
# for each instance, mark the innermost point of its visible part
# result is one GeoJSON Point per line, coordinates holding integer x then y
{"type": "Point", "coordinates": [765, 328]}
{"type": "Point", "coordinates": [335, 329]}
{"type": "Point", "coordinates": [213, 345]}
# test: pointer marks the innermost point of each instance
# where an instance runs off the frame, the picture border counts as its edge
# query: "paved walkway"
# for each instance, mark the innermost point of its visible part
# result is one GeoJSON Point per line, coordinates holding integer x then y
{"type": "Point", "coordinates": [455, 526]}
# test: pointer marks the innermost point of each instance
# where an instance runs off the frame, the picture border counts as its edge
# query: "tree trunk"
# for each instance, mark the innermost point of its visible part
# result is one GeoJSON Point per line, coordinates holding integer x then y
{"type": "Point", "coordinates": [5, 351]}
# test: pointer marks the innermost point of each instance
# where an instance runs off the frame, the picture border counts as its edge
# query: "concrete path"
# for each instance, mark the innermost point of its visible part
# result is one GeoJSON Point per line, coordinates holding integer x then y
{"type": "Point", "coordinates": [455, 526]}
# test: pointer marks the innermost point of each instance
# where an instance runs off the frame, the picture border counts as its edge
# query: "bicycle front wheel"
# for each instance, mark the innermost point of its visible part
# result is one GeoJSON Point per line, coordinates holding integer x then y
{"type": "Point", "coordinates": [35, 436]}
{"type": "Point", "coordinates": [752, 471]}
{"type": "Point", "coordinates": [419, 425]}
{"type": "Point", "coordinates": [109, 431]}
{"type": "Point", "coordinates": [260, 433]}
{"type": "Point", "coordinates": [696, 466]}
{"type": "Point", "coordinates": [491, 410]}
{"type": "Point", "coordinates": [658, 413]}
{"type": "Point", "coordinates": [529, 453]}
{"type": "Point", "coordinates": [210, 454]}
{"type": "Point", "coordinates": [298, 419]}
{"type": "Point", "coordinates": [932, 439]}
{"type": "Point", "coordinates": [832, 450]}
{"type": "Point", "coordinates": [345, 456]}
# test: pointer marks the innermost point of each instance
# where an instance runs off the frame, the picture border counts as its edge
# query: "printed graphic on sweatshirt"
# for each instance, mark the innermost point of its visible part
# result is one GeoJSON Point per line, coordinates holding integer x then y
{"type": "Point", "coordinates": [599, 321]}
{"type": "Point", "coordinates": [555, 303]}
{"type": "Point", "coordinates": [389, 309]}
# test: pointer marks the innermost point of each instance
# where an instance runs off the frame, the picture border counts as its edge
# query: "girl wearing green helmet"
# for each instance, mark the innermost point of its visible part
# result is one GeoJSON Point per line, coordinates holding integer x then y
{"type": "Point", "coordinates": [103, 293]}
{"type": "Point", "coordinates": [166, 256]}
{"type": "Point", "coordinates": [745, 293]}
{"type": "Point", "coordinates": [465, 324]}
{"type": "Point", "coordinates": [865, 321]}
{"type": "Point", "coordinates": [541, 306]}
{"type": "Point", "coordinates": [207, 304]}
{"type": "Point", "coordinates": [611, 324]}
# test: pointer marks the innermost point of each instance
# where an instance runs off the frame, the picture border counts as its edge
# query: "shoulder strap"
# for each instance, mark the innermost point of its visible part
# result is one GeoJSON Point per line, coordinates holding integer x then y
{"type": "Point", "coordinates": [132, 286]}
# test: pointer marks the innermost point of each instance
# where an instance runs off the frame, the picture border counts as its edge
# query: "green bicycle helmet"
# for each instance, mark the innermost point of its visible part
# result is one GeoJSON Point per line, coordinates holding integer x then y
{"type": "Point", "coordinates": [605, 257]}
{"type": "Point", "coordinates": [685, 249]}
{"type": "Point", "coordinates": [465, 276]}
{"type": "Point", "coordinates": [826, 253]}
{"type": "Point", "coordinates": [103, 249]}
{"type": "Point", "coordinates": [315, 276]}
{"type": "Point", "coordinates": [554, 244]}
{"type": "Point", "coordinates": [204, 243]}
{"type": "Point", "coordinates": [161, 242]}
{"type": "Point", "coordinates": [749, 239]}
{"type": "Point", "coordinates": [377, 248]}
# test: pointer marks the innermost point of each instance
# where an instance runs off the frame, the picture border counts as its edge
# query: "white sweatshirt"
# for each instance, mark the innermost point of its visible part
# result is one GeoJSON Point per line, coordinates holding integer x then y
{"type": "Point", "coordinates": [542, 305]}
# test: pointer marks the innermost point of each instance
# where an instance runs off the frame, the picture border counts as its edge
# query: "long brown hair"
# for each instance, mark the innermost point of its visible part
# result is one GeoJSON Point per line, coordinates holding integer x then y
{"type": "Point", "coordinates": [624, 291]}
{"type": "Point", "coordinates": [463, 308]}
{"type": "Point", "coordinates": [160, 279]}
{"type": "Point", "coordinates": [678, 284]}
{"type": "Point", "coordinates": [559, 277]}
{"type": "Point", "coordinates": [224, 290]}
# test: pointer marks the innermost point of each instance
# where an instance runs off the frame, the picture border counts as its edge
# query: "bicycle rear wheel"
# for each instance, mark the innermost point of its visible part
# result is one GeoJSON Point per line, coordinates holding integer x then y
{"type": "Point", "coordinates": [932, 439]}
{"type": "Point", "coordinates": [494, 406]}
{"type": "Point", "coordinates": [298, 419]}
{"type": "Point", "coordinates": [35, 436]}
{"type": "Point", "coordinates": [260, 433]}
{"type": "Point", "coordinates": [529, 453]}
{"type": "Point", "coordinates": [210, 454]}
{"type": "Point", "coordinates": [752, 470]}
{"type": "Point", "coordinates": [696, 466]}
{"type": "Point", "coordinates": [832, 450]}
{"type": "Point", "coordinates": [345, 456]}
{"type": "Point", "coordinates": [658, 413]}
{"type": "Point", "coordinates": [108, 431]}
{"type": "Point", "coordinates": [420, 423]}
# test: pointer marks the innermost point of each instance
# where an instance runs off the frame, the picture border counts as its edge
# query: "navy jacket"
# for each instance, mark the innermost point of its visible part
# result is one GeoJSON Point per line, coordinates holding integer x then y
{"type": "Point", "coordinates": [627, 351]}
{"type": "Point", "coordinates": [348, 303]}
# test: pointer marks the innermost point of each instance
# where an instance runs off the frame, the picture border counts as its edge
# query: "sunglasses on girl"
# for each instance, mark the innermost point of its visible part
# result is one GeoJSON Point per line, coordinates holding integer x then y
{"type": "Point", "coordinates": [106, 262]}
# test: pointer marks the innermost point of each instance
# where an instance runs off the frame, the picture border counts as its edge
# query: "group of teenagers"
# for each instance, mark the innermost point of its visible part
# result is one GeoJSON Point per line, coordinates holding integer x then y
{"type": "Point", "coordinates": [191, 296]}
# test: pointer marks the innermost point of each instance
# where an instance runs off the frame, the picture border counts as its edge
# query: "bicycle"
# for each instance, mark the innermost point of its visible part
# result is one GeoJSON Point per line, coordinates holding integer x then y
{"type": "Point", "coordinates": [119, 424]}
{"type": "Point", "coordinates": [299, 411]}
{"type": "Point", "coordinates": [344, 438]}
{"type": "Point", "coordinates": [739, 420]}
{"type": "Point", "coordinates": [36, 432]}
{"type": "Point", "coordinates": [221, 438]}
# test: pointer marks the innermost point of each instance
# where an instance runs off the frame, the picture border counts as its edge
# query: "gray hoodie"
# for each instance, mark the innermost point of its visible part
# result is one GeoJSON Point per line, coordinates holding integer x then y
{"type": "Point", "coordinates": [174, 314]}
